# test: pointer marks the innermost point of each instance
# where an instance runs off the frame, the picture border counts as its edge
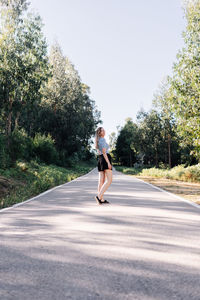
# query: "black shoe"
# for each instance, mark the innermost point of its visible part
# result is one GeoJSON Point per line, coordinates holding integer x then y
{"type": "Point", "coordinates": [98, 200]}
{"type": "Point", "coordinates": [105, 201]}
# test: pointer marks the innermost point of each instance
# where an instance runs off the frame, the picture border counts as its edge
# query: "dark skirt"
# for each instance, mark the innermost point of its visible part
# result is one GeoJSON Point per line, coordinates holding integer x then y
{"type": "Point", "coordinates": [102, 164]}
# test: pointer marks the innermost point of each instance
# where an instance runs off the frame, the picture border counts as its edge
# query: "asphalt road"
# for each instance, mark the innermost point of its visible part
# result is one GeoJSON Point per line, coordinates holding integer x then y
{"type": "Point", "coordinates": [144, 245]}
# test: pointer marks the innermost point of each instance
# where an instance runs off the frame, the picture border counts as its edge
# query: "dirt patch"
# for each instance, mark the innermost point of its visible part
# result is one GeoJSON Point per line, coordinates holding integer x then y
{"type": "Point", "coordinates": [187, 190]}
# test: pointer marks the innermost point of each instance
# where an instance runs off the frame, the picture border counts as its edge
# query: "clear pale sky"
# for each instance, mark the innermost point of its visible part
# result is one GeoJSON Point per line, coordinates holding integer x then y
{"type": "Point", "coordinates": [122, 49]}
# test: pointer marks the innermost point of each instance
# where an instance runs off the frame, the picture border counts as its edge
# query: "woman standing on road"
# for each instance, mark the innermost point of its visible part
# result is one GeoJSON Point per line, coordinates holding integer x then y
{"type": "Point", "coordinates": [104, 165]}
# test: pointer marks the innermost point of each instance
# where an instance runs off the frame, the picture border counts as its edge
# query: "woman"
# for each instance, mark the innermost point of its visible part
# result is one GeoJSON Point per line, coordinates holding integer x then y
{"type": "Point", "coordinates": [104, 165]}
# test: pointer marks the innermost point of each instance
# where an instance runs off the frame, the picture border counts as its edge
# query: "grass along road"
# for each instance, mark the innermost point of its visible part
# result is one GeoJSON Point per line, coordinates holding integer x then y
{"type": "Point", "coordinates": [179, 180]}
{"type": "Point", "coordinates": [187, 190]}
{"type": "Point", "coordinates": [28, 179]}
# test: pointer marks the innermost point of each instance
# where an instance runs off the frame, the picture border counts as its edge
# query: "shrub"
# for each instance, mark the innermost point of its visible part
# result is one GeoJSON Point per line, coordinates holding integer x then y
{"type": "Point", "coordinates": [21, 145]}
{"type": "Point", "coordinates": [180, 172]}
{"type": "Point", "coordinates": [154, 172]}
{"type": "Point", "coordinates": [193, 173]}
{"type": "Point", "coordinates": [44, 148]}
{"type": "Point", "coordinates": [72, 161]}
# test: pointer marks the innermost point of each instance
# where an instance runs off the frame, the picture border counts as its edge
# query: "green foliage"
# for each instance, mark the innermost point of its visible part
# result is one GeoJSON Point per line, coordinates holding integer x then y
{"type": "Point", "coordinates": [161, 101]}
{"type": "Point", "coordinates": [185, 84]}
{"type": "Point", "coordinates": [16, 7]}
{"type": "Point", "coordinates": [44, 149]}
{"type": "Point", "coordinates": [72, 160]}
{"type": "Point", "coordinates": [126, 143]}
{"type": "Point", "coordinates": [112, 141]}
{"type": "Point", "coordinates": [155, 172]}
{"type": "Point", "coordinates": [5, 160]}
{"type": "Point", "coordinates": [151, 138]}
{"type": "Point", "coordinates": [26, 148]}
{"type": "Point", "coordinates": [146, 142]}
{"type": "Point", "coordinates": [136, 170]}
{"type": "Point", "coordinates": [23, 63]}
{"type": "Point", "coordinates": [125, 170]}
{"type": "Point", "coordinates": [66, 111]}
{"type": "Point", "coordinates": [40, 95]}
{"type": "Point", "coordinates": [180, 172]}
{"type": "Point", "coordinates": [21, 145]}
{"type": "Point", "coordinates": [31, 178]}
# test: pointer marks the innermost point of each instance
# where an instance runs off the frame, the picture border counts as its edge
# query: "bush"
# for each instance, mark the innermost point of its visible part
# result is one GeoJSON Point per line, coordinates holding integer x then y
{"type": "Point", "coordinates": [180, 172]}
{"type": "Point", "coordinates": [154, 172]}
{"type": "Point", "coordinates": [192, 173]}
{"type": "Point", "coordinates": [44, 149]}
{"type": "Point", "coordinates": [62, 158]}
{"type": "Point", "coordinates": [21, 145]}
{"type": "Point", "coordinates": [137, 165]}
{"type": "Point", "coordinates": [177, 172]}
{"type": "Point", "coordinates": [161, 165]}
{"type": "Point", "coordinates": [73, 160]}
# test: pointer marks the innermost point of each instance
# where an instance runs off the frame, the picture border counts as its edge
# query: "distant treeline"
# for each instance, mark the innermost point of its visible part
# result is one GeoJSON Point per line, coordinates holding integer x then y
{"type": "Point", "coordinates": [45, 110]}
{"type": "Point", "coordinates": [169, 134]}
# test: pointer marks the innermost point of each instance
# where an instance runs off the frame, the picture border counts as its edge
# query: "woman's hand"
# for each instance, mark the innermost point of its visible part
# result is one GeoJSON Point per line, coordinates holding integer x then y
{"type": "Point", "coordinates": [107, 160]}
{"type": "Point", "coordinates": [109, 166]}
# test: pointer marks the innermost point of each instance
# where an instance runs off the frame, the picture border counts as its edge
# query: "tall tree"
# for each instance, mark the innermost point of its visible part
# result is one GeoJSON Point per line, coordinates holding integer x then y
{"type": "Point", "coordinates": [127, 143]}
{"type": "Point", "coordinates": [151, 139]}
{"type": "Point", "coordinates": [112, 140]}
{"type": "Point", "coordinates": [66, 110]}
{"type": "Point", "coordinates": [161, 101]}
{"type": "Point", "coordinates": [185, 82]}
{"type": "Point", "coordinates": [23, 61]}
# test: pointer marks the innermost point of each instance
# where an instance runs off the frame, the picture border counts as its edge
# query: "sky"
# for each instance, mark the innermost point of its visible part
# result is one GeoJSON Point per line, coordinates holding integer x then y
{"type": "Point", "coordinates": [122, 49]}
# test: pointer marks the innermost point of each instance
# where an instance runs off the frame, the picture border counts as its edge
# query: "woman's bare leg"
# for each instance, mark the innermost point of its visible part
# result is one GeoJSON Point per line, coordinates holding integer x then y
{"type": "Point", "coordinates": [106, 184]}
{"type": "Point", "coordinates": [102, 177]}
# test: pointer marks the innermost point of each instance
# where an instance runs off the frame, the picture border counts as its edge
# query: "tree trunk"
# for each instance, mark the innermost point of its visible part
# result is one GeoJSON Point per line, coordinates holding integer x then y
{"type": "Point", "coordinates": [16, 119]}
{"type": "Point", "coordinates": [130, 159]}
{"type": "Point", "coordinates": [169, 150]}
{"type": "Point", "coordinates": [9, 122]}
{"type": "Point", "coordinates": [156, 158]}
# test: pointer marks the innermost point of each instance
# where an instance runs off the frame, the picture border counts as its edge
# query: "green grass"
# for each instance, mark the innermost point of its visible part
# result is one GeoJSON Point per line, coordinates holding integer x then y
{"type": "Point", "coordinates": [29, 179]}
{"type": "Point", "coordinates": [180, 172]}
{"type": "Point", "coordinates": [128, 170]}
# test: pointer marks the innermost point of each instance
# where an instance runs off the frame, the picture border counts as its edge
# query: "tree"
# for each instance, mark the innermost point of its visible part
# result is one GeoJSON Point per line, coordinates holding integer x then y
{"type": "Point", "coordinates": [151, 140]}
{"type": "Point", "coordinates": [161, 101]}
{"type": "Point", "coordinates": [66, 110]}
{"type": "Point", "coordinates": [23, 61]}
{"type": "Point", "coordinates": [185, 82]}
{"type": "Point", "coordinates": [112, 140]}
{"type": "Point", "coordinates": [126, 144]}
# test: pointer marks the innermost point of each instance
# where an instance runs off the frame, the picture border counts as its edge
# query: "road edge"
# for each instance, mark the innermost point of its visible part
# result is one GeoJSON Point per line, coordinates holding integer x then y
{"type": "Point", "coordinates": [160, 189]}
{"type": "Point", "coordinates": [45, 192]}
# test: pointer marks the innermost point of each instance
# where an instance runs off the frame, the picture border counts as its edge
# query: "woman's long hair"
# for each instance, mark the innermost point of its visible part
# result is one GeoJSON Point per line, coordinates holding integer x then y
{"type": "Point", "coordinates": [97, 136]}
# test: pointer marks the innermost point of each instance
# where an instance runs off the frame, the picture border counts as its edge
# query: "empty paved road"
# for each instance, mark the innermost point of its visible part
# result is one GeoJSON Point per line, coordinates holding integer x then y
{"type": "Point", "coordinates": [145, 245]}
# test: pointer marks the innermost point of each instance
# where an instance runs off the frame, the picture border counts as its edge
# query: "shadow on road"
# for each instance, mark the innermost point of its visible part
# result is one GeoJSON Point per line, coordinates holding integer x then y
{"type": "Point", "coordinates": [145, 245]}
